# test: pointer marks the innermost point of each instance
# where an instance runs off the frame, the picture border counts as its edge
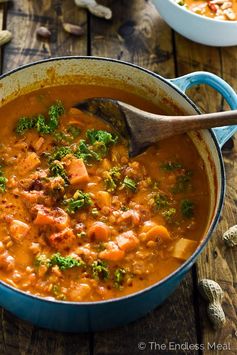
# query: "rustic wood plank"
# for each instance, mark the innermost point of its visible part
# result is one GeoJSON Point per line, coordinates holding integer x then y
{"type": "Point", "coordinates": [24, 17]}
{"type": "Point", "coordinates": [137, 34]}
{"type": "Point", "coordinates": [16, 336]}
{"type": "Point", "coordinates": [216, 262]}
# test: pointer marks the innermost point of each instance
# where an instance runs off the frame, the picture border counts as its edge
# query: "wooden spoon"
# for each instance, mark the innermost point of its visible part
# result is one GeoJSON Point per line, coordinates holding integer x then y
{"type": "Point", "coordinates": [143, 128]}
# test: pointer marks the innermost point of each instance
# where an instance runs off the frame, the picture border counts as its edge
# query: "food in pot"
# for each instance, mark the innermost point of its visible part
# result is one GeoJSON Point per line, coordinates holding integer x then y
{"type": "Point", "coordinates": [79, 219]}
{"type": "Point", "coordinates": [216, 9]}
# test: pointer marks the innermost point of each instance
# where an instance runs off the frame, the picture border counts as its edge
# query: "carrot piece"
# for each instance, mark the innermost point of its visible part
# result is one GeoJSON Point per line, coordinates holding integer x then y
{"type": "Point", "coordinates": [99, 231]}
{"type": "Point", "coordinates": [127, 241]}
{"type": "Point", "coordinates": [77, 172]}
{"type": "Point", "coordinates": [18, 229]}
{"type": "Point", "coordinates": [103, 198]}
{"type": "Point", "coordinates": [62, 240]}
{"type": "Point", "coordinates": [159, 233]}
{"type": "Point", "coordinates": [184, 248]}
{"type": "Point", "coordinates": [112, 252]}
{"type": "Point", "coordinates": [55, 217]}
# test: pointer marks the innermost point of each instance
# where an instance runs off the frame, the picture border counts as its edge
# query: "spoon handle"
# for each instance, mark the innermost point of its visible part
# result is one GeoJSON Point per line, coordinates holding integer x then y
{"type": "Point", "coordinates": [149, 128]}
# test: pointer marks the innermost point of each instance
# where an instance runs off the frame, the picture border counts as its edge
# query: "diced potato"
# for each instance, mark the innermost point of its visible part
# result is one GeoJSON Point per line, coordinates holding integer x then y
{"type": "Point", "coordinates": [37, 145]}
{"type": "Point", "coordinates": [31, 162]}
{"type": "Point", "coordinates": [184, 248]}
{"type": "Point", "coordinates": [103, 198]}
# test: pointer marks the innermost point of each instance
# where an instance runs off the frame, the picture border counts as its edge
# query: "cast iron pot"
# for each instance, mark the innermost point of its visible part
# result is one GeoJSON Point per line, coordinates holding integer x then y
{"type": "Point", "coordinates": [87, 316]}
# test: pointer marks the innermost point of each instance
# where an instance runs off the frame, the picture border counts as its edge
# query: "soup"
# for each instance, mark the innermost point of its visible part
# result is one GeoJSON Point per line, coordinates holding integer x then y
{"type": "Point", "coordinates": [79, 219]}
{"type": "Point", "coordinates": [216, 9]}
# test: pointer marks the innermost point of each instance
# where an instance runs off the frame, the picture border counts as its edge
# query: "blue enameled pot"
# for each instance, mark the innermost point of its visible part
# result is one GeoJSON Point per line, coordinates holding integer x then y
{"type": "Point", "coordinates": [75, 316]}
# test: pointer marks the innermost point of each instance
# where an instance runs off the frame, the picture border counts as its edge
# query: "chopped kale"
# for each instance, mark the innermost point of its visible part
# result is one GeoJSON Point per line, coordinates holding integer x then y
{"type": "Point", "coordinates": [183, 182]}
{"type": "Point", "coordinates": [169, 214]}
{"type": "Point", "coordinates": [41, 123]}
{"type": "Point", "coordinates": [56, 169]}
{"type": "Point", "coordinates": [101, 140]}
{"type": "Point", "coordinates": [100, 270]}
{"type": "Point", "coordinates": [55, 111]}
{"type": "Point", "coordinates": [59, 153]}
{"type": "Point", "coordinates": [3, 181]}
{"type": "Point", "coordinates": [130, 184]}
{"type": "Point", "coordinates": [112, 178]}
{"type": "Point", "coordinates": [171, 166]}
{"type": "Point", "coordinates": [119, 277]}
{"type": "Point", "coordinates": [79, 200]}
{"type": "Point", "coordinates": [85, 152]}
{"type": "Point", "coordinates": [187, 208]}
{"type": "Point", "coordinates": [24, 124]}
{"type": "Point", "coordinates": [74, 131]}
{"type": "Point", "coordinates": [65, 262]}
{"type": "Point", "coordinates": [161, 201]}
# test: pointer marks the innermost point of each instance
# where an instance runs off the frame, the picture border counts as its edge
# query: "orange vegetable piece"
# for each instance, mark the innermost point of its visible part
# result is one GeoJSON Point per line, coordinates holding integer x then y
{"type": "Point", "coordinates": [103, 198]}
{"type": "Point", "coordinates": [158, 232]}
{"type": "Point", "coordinates": [112, 252]}
{"type": "Point", "coordinates": [18, 229]}
{"type": "Point", "coordinates": [62, 240]}
{"type": "Point", "coordinates": [99, 231]}
{"type": "Point", "coordinates": [30, 162]}
{"type": "Point", "coordinates": [55, 217]}
{"type": "Point", "coordinates": [127, 241]}
{"type": "Point", "coordinates": [77, 172]}
{"type": "Point", "coordinates": [184, 248]}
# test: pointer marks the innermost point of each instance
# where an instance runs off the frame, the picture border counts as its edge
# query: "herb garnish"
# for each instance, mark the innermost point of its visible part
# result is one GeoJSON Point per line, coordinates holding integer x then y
{"type": "Point", "coordinates": [171, 166]}
{"type": "Point", "coordinates": [3, 181]}
{"type": "Point", "coordinates": [119, 277]}
{"type": "Point", "coordinates": [130, 184]}
{"type": "Point", "coordinates": [79, 200]}
{"type": "Point", "coordinates": [182, 182]}
{"type": "Point", "coordinates": [187, 208]}
{"type": "Point", "coordinates": [65, 262]}
{"type": "Point", "coordinates": [112, 178]}
{"type": "Point", "coordinates": [56, 169]}
{"type": "Point", "coordinates": [41, 123]}
{"type": "Point", "coordinates": [100, 270]}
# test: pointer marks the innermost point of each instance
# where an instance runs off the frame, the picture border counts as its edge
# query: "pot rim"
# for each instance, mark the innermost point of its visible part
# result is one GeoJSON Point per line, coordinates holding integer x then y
{"type": "Point", "coordinates": [183, 268]}
{"type": "Point", "coordinates": [207, 19]}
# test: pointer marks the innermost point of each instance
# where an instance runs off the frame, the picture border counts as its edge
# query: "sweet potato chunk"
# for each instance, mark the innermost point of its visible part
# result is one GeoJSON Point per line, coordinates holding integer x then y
{"type": "Point", "coordinates": [112, 252]}
{"type": "Point", "coordinates": [18, 229]}
{"type": "Point", "coordinates": [99, 231]}
{"type": "Point", "coordinates": [62, 240]}
{"type": "Point", "coordinates": [55, 217]}
{"type": "Point", "coordinates": [127, 241]}
{"type": "Point", "coordinates": [77, 172]}
{"type": "Point", "coordinates": [103, 198]}
{"type": "Point", "coordinates": [184, 248]}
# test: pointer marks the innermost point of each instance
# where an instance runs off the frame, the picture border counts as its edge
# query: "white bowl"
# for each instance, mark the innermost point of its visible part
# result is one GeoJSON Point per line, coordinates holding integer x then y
{"type": "Point", "coordinates": [196, 27]}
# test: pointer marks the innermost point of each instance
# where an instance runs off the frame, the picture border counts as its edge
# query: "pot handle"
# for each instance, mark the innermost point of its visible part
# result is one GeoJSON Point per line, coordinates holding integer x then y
{"type": "Point", "coordinates": [200, 77]}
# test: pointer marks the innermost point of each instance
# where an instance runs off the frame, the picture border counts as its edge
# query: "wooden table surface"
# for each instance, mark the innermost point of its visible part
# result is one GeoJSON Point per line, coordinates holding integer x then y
{"type": "Point", "coordinates": [136, 34]}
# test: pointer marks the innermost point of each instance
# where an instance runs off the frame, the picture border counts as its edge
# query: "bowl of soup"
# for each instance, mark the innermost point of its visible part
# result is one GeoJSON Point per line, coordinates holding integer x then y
{"type": "Point", "coordinates": [89, 237]}
{"type": "Point", "coordinates": [212, 23]}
